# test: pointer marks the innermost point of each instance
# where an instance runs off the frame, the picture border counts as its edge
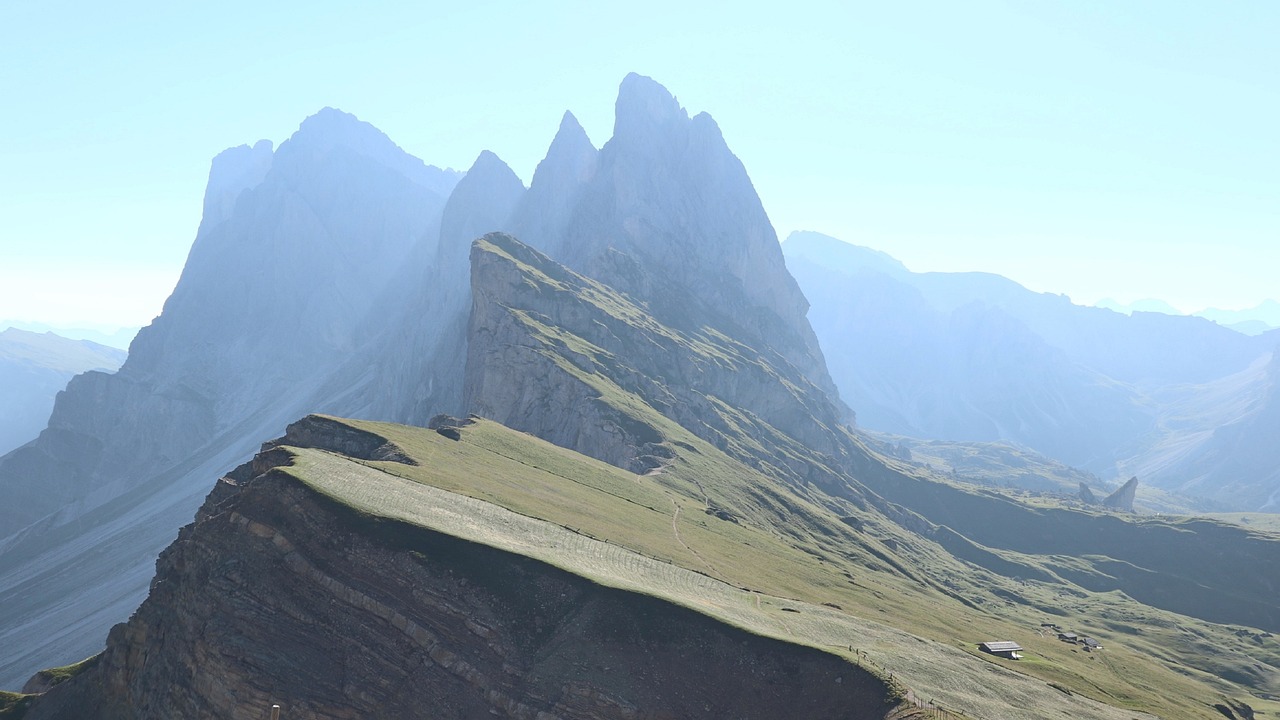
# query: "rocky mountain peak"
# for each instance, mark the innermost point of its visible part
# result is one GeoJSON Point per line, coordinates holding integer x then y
{"type": "Point", "coordinates": [331, 127]}
{"type": "Point", "coordinates": [233, 171]}
{"type": "Point", "coordinates": [570, 156]}
{"type": "Point", "coordinates": [668, 195]}
{"type": "Point", "coordinates": [331, 130]}
{"type": "Point", "coordinates": [570, 131]}
{"type": "Point", "coordinates": [557, 185]}
{"type": "Point", "coordinates": [481, 203]}
{"type": "Point", "coordinates": [643, 106]}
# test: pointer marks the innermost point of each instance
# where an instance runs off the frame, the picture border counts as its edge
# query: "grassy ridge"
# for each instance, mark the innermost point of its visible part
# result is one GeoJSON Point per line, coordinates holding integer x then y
{"type": "Point", "coordinates": [844, 568]}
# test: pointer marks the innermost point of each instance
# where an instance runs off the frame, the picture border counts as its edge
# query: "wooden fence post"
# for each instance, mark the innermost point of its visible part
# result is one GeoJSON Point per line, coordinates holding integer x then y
{"type": "Point", "coordinates": [275, 712]}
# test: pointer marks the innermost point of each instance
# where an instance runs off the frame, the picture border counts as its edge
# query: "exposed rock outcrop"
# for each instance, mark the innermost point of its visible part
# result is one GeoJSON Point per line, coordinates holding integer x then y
{"type": "Point", "coordinates": [34, 368]}
{"type": "Point", "coordinates": [411, 369]}
{"type": "Point", "coordinates": [546, 211]}
{"type": "Point", "coordinates": [1122, 498]}
{"type": "Point", "coordinates": [667, 195]}
{"type": "Point", "coordinates": [278, 594]}
{"type": "Point", "coordinates": [1087, 496]}
{"type": "Point", "coordinates": [590, 347]}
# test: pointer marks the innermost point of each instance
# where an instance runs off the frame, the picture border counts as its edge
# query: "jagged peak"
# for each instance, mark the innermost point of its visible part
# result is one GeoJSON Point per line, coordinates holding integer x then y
{"type": "Point", "coordinates": [570, 151]}
{"type": "Point", "coordinates": [330, 119]}
{"type": "Point", "coordinates": [331, 125]}
{"type": "Point", "coordinates": [644, 103]}
{"type": "Point", "coordinates": [488, 168]}
{"type": "Point", "coordinates": [482, 202]}
{"type": "Point", "coordinates": [333, 128]}
{"type": "Point", "coordinates": [570, 133]}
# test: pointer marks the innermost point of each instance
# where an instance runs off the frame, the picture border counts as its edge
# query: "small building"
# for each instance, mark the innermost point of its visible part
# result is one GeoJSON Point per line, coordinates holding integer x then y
{"type": "Point", "coordinates": [1068, 637]}
{"type": "Point", "coordinates": [1002, 648]}
{"type": "Point", "coordinates": [1090, 644]}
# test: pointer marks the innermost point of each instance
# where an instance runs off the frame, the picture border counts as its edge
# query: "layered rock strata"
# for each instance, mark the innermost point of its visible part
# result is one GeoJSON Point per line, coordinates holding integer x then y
{"type": "Point", "coordinates": [278, 594]}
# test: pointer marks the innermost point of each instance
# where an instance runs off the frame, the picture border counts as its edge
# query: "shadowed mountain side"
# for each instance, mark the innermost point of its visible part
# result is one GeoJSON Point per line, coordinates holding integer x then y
{"type": "Point", "coordinates": [971, 374]}
{"type": "Point", "coordinates": [530, 314]}
{"type": "Point", "coordinates": [34, 368]}
{"type": "Point", "coordinates": [976, 357]}
{"type": "Point", "coordinates": [556, 189]}
{"type": "Point", "coordinates": [1201, 568]}
{"type": "Point", "coordinates": [277, 290]}
{"type": "Point", "coordinates": [1219, 438]}
{"type": "Point", "coordinates": [311, 243]}
{"type": "Point", "coordinates": [1142, 349]}
{"type": "Point", "coordinates": [410, 365]}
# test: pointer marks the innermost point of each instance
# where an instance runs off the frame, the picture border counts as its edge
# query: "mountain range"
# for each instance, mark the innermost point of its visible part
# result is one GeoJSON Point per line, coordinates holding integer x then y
{"type": "Point", "coordinates": [1261, 318]}
{"type": "Point", "coordinates": [637, 493]}
{"type": "Point", "coordinates": [1180, 401]}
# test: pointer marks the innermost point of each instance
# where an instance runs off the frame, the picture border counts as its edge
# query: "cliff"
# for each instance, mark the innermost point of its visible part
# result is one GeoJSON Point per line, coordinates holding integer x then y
{"type": "Point", "coordinates": [534, 318]}
{"type": "Point", "coordinates": [280, 286]}
{"type": "Point", "coordinates": [34, 368]}
{"type": "Point", "coordinates": [666, 194]}
{"type": "Point", "coordinates": [297, 585]}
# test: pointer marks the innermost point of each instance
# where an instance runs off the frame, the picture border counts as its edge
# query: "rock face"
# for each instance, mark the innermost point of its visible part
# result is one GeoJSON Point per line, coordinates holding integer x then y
{"type": "Point", "coordinates": [412, 368]}
{"type": "Point", "coordinates": [558, 182]}
{"type": "Point", "coordinates": [34, 368]}
{"type": "Point", "coordinates": [277, 594]}
{"type": "Point", "coordinates": [1122, 498]}
{"type": "Point", "coordinates": [590, 347]}
{"type": "Point", "coordinates": [667, 195]}
{"type": "Point", "coordinates": [330, 276]}
{"type": "Point", "coordinates": [1087, 496]}
{"type": "Point", "coordinates": [280, 286]}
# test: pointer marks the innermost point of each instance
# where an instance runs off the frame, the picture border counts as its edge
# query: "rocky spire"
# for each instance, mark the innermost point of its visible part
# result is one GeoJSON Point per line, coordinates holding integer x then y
{"type": "Point", "coordinates": [557, 184]}
{"type": "Point", "coordinates": [481, 203]}
{"type": "Point", "coordinates": [669, 197]}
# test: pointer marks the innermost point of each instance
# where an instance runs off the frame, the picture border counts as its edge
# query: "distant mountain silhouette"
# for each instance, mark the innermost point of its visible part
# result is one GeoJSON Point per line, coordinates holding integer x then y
{"type": "Point", "coordinates": [1250, 321]}
{"type": "Point", "coordinates": [975, 356]}
{"type": "Point", "coordinates": [34, 368]}
{"type": "Point", "coordinates": [1145, 305]}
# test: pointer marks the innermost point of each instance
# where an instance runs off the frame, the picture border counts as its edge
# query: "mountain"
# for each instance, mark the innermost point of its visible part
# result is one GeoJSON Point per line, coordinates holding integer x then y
{"type": "Point", "coordinates": [1219, 438]}
{"type": "Point", "coordinates": [282, 283]}
{"type": "Point", "coordinates": [1144, 305]}
{"type": "Point", "coordinates": [664, 512]}
{"type": "Point", "coordinates": [34, 368]}
{"type": "Point", "coordinates": [474, 569]}
{"type": "Point", "coordinates": [666, 194]}
{"type": "Point", "coordinates": [1251, 321]}
{"type": "Point", "coordinates": [977, 358]}
{"type": "Point", "coordinates": [410, 361]}
{"type": "Point", "coordinates": [118, 338]}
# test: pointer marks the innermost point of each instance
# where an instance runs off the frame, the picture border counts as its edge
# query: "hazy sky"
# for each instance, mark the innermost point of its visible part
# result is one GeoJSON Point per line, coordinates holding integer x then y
{"type": "Point", "coordinates": [1111, 148]}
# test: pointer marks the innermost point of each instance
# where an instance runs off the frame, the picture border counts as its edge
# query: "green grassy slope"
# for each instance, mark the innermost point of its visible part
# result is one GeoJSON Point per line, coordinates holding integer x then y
{"type": "Point", "coordinates": [885, 540]}
{"type": "Point", "coordinates": [779, 550]}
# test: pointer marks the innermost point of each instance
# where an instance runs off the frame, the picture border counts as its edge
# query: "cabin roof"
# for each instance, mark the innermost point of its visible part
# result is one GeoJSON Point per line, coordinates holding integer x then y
{"type": "Point", "coordinates": [1000, 646]}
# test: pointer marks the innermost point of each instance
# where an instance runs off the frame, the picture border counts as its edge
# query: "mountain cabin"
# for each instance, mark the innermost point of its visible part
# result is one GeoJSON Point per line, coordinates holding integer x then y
{"type": "Point", "coordinates": [1002, 648]}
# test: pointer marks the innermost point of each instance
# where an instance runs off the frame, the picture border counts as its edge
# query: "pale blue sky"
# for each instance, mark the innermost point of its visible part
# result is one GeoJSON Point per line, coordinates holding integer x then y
{"type": "Point", "coordinates": [1121, 149]}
